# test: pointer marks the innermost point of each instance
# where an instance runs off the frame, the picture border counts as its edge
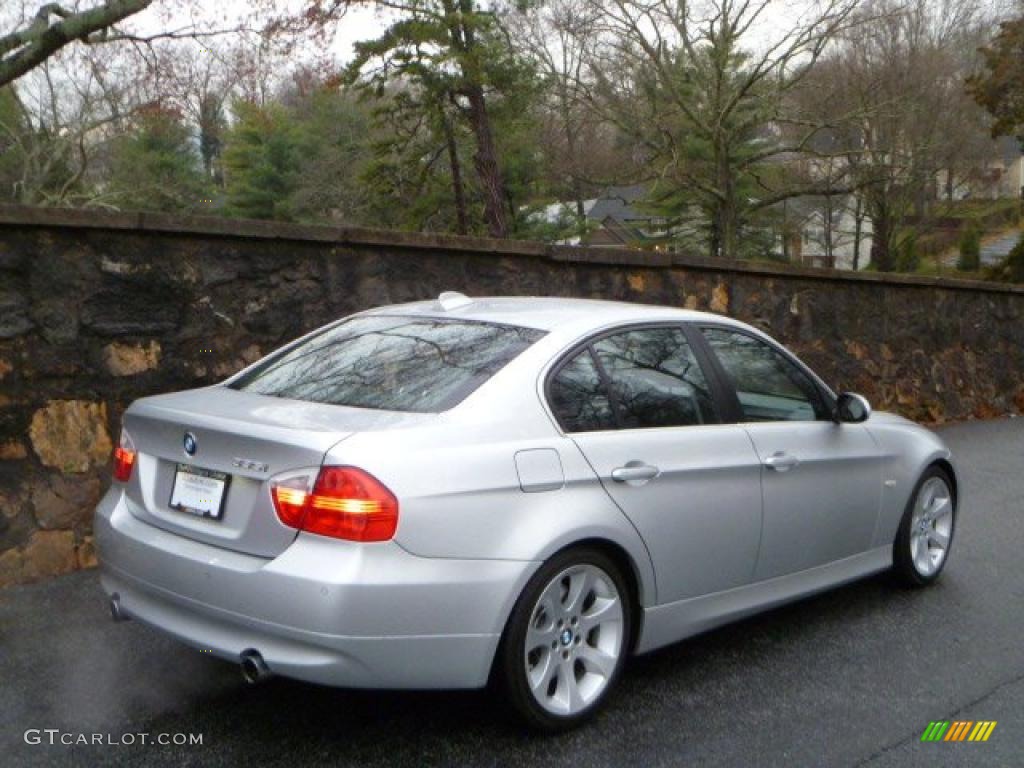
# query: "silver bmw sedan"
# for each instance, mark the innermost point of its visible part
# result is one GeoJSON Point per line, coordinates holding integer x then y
{"type": "Point", "coordinates": [514, 491]}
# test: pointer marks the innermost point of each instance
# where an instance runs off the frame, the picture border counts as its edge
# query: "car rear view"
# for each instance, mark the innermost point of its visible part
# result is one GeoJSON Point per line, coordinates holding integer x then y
{"type": "Point", "coordinates": [226, 528]}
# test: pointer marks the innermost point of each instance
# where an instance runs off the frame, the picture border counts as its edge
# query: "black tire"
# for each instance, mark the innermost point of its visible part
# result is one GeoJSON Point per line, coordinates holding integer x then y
{"type": "Point", "coordinates": [511, 674]}
{"type": "Point", "coordinates": [903, 569]}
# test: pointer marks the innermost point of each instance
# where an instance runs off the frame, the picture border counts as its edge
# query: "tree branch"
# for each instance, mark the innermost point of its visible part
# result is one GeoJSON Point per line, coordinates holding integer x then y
{"type": "Point", "coordinates": [27, 48]}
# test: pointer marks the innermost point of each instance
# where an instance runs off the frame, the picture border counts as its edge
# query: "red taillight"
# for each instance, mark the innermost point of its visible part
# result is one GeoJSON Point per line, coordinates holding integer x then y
{"type": "Point", "coordinates": [290, 500]}
{"type": "Point", "coordinates": [345, 503]}
{"type": "Point", "coordinates": [124, 458]}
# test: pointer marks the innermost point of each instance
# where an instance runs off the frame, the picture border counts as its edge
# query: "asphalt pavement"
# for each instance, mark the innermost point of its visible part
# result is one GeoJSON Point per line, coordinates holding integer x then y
{"type": "Point", "coordinates": [848, 678]}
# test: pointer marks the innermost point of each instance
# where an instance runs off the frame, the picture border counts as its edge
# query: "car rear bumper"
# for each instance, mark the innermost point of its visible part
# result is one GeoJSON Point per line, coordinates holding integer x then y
{"type": "Point", "coordinates": [326, 611]}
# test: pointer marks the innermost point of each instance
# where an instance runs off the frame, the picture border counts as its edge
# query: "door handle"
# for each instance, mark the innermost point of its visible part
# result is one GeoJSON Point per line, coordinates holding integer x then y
{"type": "Point", "coordinates": [633, 472]}
{"type": "Point", "coordinates": [781, 461]}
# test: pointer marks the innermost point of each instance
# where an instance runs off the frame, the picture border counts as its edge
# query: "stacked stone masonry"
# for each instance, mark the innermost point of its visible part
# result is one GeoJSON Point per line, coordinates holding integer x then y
{"type": "Point", "coordinates": [98, 309]}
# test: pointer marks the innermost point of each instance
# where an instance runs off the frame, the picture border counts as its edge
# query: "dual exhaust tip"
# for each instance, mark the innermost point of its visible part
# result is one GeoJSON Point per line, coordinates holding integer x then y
{"type": "Point", "coordinates": [254, 668]}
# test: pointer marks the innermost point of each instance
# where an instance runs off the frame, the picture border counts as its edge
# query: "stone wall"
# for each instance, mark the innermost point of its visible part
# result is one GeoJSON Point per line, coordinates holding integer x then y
{"type": "Point", "coordinates": [98, 309]}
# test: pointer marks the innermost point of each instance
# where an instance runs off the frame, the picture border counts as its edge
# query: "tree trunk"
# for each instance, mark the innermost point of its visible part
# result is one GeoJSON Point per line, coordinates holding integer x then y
{"type": "Point", "coordinates": [728, 231]}
{"type": "Point", "coordinates": [211, 124]}
{"type": "Point", "coordinates": [881, 229]}
{"type": "Point", "coordinates": [923, 183]}
{"type": "Point", "coordinates": [458, 190]}
{"type": "Point", "coordinates": [827, 233]}
{"type": "Point", "coordinates": [485, 161]}
{"type": "Point", "coordinates": [581, 209]}
{"type": "Point", "coordinates": [785, 230]}
{"type": "Point", "coordinates": [727, 209]}
{"type": "Point", "coordinates": [858, 227]}
{"type": "Point", "coordinates": [920, 203]}
{"type": "Point", "coordinates": [573, 161]}
{"type": "Point", "coordinates": [715, 236]}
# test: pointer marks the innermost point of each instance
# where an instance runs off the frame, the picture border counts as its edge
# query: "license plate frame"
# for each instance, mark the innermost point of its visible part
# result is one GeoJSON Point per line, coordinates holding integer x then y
{"type": "Point", "coordinates": [191, 497]}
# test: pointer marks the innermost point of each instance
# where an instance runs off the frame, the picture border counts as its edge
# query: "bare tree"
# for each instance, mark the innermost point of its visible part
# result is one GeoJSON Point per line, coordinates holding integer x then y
{"type": "Point", "coordinates": [200, 81]}
{"type": "Point", "coordinates": [702, 90]}
{"type": "Point", "coordinates": [40, 32]}
{"type": "Point", "coordinates": [900, 72]}
{"type": "Point", "coordinates": [65, 116]}
{"type": "Point", "coordinates": [558, 37]}
{"type": "Point", "coordinates": [74, 103]}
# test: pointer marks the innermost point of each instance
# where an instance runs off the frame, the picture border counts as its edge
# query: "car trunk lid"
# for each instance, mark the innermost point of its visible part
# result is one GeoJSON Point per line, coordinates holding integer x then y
{"type": "Point", "coordinates": [247, 437]}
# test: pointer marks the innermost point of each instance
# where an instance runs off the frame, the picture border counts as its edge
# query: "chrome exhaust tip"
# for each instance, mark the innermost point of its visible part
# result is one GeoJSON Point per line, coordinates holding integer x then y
{"type": "Point", "coordinates": [117, 612]}
{"type": "Point", "coordinates": [254, 668]}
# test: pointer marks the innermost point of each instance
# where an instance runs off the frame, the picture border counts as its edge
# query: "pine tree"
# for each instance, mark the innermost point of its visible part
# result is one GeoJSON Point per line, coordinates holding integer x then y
{"type": "Point", "coordinates": [455, 61]}
{"type": "Point", "coordinates": [261, 162]}
{"type": "Point", "coordinates": [156, 166]}
{"type": "Point", "coordinates": [1000, 88]}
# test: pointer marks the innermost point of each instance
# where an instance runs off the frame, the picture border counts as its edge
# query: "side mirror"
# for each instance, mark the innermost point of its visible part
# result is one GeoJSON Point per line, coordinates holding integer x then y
{"type": "Point", "coordinates": [852, 408]}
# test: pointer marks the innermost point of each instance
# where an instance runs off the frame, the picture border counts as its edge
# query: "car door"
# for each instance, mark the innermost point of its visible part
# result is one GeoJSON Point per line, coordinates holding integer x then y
{"type": "Point", "coordinates": [821, 480]}
{"type": "Point", "coordinates": [638, 404]}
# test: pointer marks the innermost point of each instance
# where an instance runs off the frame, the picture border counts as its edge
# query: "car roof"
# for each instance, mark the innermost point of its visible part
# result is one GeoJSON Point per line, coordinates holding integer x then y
{"type": "Point", "coordinates": [547, 313]}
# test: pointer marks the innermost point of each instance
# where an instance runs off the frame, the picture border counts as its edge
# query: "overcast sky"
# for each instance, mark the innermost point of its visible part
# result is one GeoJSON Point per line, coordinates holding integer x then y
{"type": "Point", "coordinates": [365, 22]}
{"type": "Point", "coordinates": [362, 22]}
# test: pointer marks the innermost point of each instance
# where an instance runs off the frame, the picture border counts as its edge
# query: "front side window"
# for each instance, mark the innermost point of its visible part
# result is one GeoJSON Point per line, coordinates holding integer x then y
{"type": "Point", "coordinates": [655, 379]}
{"type": "Point", "coordinates": [770, 387]}
{"type": "Point", "coordinates": [394, 363]}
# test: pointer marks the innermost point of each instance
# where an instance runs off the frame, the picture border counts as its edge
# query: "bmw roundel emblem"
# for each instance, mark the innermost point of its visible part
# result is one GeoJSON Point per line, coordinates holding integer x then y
{"type": "Point", "coordinates": [190, 444]}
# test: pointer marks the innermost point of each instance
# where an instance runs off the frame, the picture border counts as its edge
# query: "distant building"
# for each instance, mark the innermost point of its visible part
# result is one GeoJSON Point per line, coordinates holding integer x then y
{"type": "Point", "coordinates": [614, 220]}
{"type": "Point", "coordinates": [1001, 177]}
{"type": "Point", "coordinates": [1012, 171]}
{"type": "Point", "coordinates": [823, 231]}
{"type": "Point", "coordinates": [620, 221]}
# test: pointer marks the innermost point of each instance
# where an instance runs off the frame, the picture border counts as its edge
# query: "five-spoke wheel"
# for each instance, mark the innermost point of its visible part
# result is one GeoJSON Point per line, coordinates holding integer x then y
{"type": "Point", "coordinates": [926, 531]}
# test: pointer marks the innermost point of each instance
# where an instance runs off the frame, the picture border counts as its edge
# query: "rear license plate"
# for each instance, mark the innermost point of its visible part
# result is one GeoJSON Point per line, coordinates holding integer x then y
{"type": "Point", "coordinates": [199, 491]}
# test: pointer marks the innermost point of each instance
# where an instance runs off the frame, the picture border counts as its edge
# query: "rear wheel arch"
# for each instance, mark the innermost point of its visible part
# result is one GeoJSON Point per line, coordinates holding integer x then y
{"type": "Point", "coordinates": [507, 673]}
{"type": "Point", "coordinates": [629, 571]}
{"type": "Point", "coordinates": [627, 567]}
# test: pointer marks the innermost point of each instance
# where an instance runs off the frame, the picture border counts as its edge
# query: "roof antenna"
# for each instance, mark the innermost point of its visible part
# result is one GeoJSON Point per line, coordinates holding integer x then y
{"type": "Point", "coordinates": [450, 300]}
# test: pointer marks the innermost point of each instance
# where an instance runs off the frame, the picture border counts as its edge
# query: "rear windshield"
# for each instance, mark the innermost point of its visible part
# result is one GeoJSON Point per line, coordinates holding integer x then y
{"type": "Point", "coordinates": [391, 363]}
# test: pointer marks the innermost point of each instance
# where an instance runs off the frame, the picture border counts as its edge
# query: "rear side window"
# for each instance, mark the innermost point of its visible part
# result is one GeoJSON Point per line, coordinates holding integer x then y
{"type": "Point", "coordinates": [655, 379]}
{"type": "Point", "coordinates": [636, 379]}
{"type": "Point", "coordinates": [391, 363]}
{"type": "Point", "coordinates": [578, 397]}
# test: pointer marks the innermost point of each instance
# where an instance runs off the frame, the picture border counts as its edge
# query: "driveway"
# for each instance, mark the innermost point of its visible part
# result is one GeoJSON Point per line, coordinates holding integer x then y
{"type": "Point", "coordinates": [993, 251]}
{"type": "Point", "coordinates": [849, 678]}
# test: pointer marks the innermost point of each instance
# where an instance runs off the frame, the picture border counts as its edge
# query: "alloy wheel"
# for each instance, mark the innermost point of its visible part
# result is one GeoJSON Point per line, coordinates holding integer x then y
{"type": "Point", "coordinates": [931, 526]}
{"type": "Point", "coordinates": [574, 640]}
